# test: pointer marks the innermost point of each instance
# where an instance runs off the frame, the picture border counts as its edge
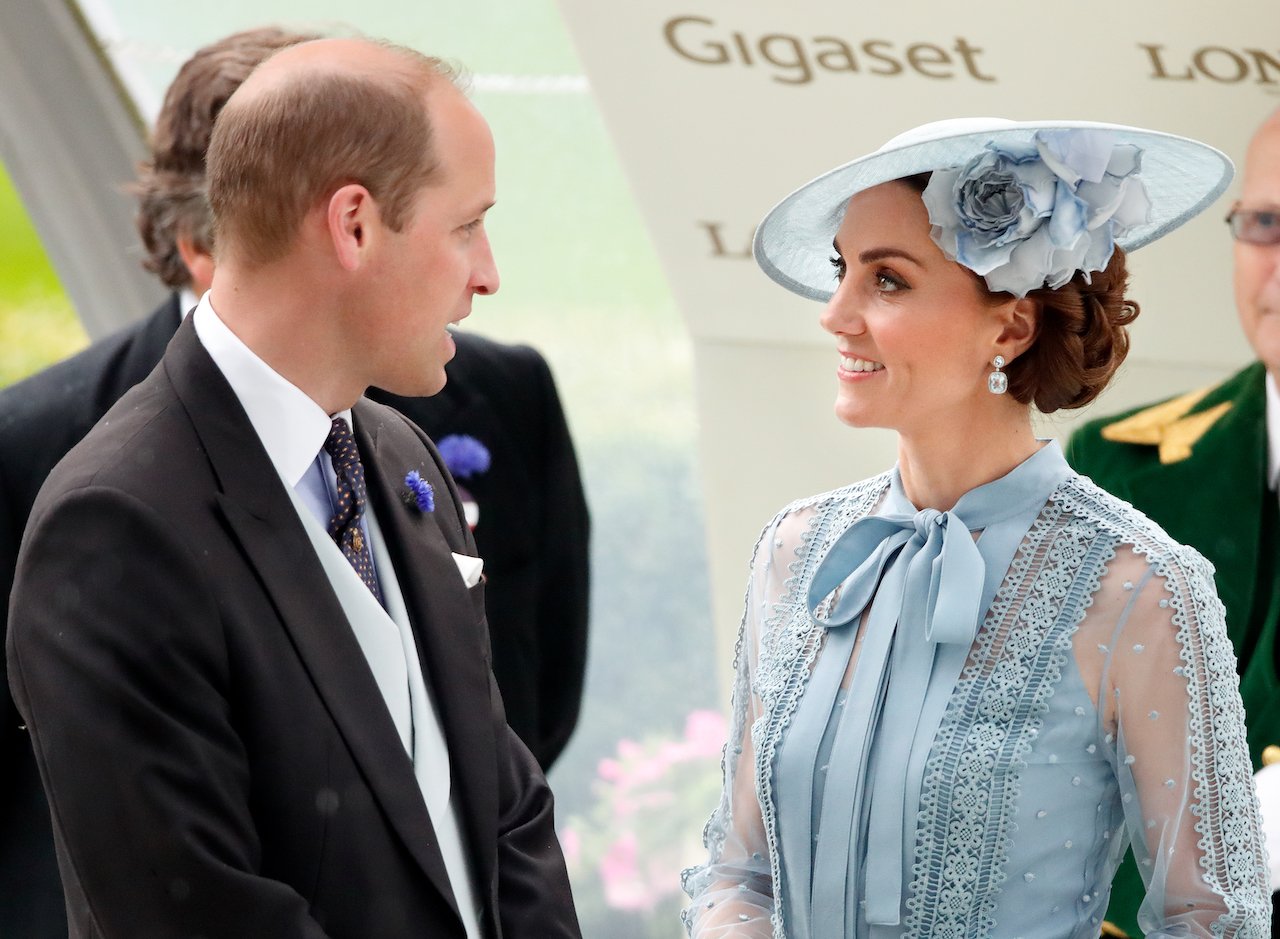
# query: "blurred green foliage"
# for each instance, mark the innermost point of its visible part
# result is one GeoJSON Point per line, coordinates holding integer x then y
{"type": "Point", "coordinates": [37, 324]}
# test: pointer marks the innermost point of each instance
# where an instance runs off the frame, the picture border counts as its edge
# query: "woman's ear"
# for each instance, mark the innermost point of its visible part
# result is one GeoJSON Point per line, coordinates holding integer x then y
{"type": "Point", "coordinates": [1020, 326]}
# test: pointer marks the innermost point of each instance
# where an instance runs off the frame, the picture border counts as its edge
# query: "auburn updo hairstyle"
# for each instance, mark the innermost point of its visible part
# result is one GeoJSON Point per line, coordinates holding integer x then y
{"type": "Point", "coordinates": [1081, 339]}
{"type": "Point", "coordinates": [1082, 334]}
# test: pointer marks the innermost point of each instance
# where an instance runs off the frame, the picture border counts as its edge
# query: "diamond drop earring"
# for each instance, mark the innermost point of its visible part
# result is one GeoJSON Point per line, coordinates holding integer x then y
{"type": "Point", "coordinates": [998, 381]}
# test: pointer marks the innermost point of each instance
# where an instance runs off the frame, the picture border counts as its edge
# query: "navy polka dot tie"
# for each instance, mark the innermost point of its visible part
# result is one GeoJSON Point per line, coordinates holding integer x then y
{"type": "Point", "coordinates": [344, 527]}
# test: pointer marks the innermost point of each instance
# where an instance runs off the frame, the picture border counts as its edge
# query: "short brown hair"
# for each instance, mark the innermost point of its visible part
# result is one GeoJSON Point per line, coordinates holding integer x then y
{"type": "Point", "coordinates": [171, 186]}
{"type": "Point", "coordinates": [1082, 334]}
{"type": "Point", "coordinates": [274, 157]}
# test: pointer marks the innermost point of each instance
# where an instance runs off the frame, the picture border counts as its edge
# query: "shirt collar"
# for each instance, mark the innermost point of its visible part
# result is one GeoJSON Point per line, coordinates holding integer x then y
{"type": "Point", "coordinates": [290, 425]}
{"type": "Point", "coordinates": [1273, 431]}
{"type": "Point", "coordinates": [187, 301]}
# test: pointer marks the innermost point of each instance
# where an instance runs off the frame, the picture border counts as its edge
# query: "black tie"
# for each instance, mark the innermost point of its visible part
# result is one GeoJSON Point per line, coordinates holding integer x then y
{"type": "Point", "coordinates": [344, 527]}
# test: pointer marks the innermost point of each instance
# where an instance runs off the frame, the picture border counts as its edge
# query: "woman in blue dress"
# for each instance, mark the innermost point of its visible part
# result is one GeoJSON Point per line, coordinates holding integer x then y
{"type": "Point", "coordinates": [965, 686]}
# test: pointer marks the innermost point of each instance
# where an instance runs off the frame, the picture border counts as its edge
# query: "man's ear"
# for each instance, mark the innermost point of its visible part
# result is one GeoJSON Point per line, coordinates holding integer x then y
{"type": "Point", "coordinates": [1020, 326]}
{"type": "Point", "coordinates": [351, 217]}
{"type": "Point", "coordinates": [198, 262]}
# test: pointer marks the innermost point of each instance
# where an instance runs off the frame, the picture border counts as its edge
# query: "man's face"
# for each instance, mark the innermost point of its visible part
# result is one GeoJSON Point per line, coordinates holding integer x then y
{"type": "Point", "coordinates": [1257, 267]}
{"type": "Point", "coordinates": [427, 273]}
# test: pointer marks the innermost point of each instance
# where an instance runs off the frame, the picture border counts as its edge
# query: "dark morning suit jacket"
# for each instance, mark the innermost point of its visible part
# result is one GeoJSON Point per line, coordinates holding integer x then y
{"type": "Point", "coordinates": [1197, 465]}
{"type": "Point", "coordinates": [218, 757]}
{"type": "Point", "coordinates": [41, 418]}
{"type": "Point", "coordinates": [533, 535]}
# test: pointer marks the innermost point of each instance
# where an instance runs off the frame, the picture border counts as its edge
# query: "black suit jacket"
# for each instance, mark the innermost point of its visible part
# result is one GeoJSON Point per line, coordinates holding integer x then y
{"type": "Point", "coordinates": [41, 418]}
{"type": "Point", "coordinates": [218, 757]}
{"type": "Point", "coordinates": [533, 535]}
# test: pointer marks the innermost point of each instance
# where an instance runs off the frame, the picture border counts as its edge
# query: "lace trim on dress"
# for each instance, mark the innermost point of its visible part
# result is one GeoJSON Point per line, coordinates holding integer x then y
{"type": "Point", "coordinates": [1232, 861]}
{"type": "Point", "coordinates": [789, 642]}
{"type": "Point", "coordinates": [968, 804]}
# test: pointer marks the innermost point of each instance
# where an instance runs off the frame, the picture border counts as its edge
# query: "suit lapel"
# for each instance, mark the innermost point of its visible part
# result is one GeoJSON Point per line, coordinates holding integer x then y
{"type": "Point", "coordinates": [264, 522]}
{"type": "Point", "coordinates": [447, 622]}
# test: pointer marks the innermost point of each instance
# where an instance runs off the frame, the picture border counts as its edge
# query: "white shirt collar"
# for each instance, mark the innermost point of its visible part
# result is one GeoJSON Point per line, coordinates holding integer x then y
{"type": "Point", "coordinates": [290, 425]}
{"type": "Point", "coordinates": [187, 301]}
{"type": "Point", "coordinates": [1273, 431]}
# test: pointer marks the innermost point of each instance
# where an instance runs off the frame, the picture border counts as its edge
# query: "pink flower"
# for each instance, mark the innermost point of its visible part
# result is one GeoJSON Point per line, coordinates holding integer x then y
{"type": "Point", "coordinates": [648, 770]}
{"type": "Point", "coordinates": [623, 887]}
{"type": "Point", "coordinates": [610, 770]}
{"type": "Point", "coordinates": [629, 749]}
{"type": "Point", "coordinates": [706, 731]}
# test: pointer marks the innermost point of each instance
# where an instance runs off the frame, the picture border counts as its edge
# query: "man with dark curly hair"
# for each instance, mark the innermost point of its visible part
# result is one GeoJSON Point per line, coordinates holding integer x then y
{"type": "Point", "coordinates": [1205, 466]}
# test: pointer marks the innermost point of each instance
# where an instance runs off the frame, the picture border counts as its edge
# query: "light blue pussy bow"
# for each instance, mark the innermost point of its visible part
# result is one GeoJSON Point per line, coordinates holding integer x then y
{"type": "Point", "coordinates": [923, 576]}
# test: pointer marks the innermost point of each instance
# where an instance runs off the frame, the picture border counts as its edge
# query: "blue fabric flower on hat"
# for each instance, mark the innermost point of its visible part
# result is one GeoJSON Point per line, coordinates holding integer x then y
{"type": "Point", "coordinates": [1023, 217]}
{"type": "Point", "coordinates": [464, 455]}
{"type": "Point", "coordinates": [420, 492]}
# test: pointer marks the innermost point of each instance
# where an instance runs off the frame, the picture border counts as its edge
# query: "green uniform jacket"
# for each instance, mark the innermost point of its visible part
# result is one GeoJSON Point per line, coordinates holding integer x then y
{"type": "Point", "coordinates": [1197, 466]}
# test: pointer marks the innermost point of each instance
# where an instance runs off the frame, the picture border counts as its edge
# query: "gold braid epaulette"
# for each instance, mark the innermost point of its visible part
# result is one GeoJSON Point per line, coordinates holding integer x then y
{"type": "Point", "coordinates": [1166, 426]}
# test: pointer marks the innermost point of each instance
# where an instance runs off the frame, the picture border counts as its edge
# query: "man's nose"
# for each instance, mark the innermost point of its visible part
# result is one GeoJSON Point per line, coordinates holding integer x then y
{"type": "Point", "coordinates": [484, 275]}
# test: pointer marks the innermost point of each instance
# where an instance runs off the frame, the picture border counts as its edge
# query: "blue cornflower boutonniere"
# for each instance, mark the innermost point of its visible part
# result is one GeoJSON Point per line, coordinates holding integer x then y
{"type": "Point", "coordinates": [465, 456]}
{"type": "Point", "coordinates": [419, 492]}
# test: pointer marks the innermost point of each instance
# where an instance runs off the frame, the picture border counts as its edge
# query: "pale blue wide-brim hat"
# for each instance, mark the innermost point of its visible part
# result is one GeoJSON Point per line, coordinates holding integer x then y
{"type": "Point", "coordinates": [793, 243]}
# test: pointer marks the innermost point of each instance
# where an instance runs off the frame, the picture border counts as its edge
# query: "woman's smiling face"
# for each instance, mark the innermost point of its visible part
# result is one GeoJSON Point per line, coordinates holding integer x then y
{"type": "Point", "coordinates": [915, 331]}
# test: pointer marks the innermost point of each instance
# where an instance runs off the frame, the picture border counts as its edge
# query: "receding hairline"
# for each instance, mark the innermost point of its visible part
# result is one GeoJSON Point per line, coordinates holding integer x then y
{"type": "Point", "coordinates": [374, 61]}
{"type": "Point", "coordinates": [1262, 147]}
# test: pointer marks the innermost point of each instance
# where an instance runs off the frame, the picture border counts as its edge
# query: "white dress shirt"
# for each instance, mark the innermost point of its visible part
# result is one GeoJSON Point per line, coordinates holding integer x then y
{"type": "Point", "coordinates": [1273, 431]}
{"type": "Point", "coordinates": [187, 301]}
{"type": "Point", "coordinates": [293, 429]}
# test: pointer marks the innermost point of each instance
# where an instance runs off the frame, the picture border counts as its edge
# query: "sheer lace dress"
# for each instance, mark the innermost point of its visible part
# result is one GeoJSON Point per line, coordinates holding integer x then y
{"type": "Point", "coordinates": [892, 771]}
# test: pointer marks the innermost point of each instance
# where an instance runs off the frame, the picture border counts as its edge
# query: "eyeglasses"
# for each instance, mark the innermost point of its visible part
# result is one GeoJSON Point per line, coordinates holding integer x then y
{"type": "Point", "coordinates": [1255, 228]}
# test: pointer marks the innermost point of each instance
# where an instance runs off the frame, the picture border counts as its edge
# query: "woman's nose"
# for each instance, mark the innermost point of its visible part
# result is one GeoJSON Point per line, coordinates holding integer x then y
{"type": "Point", "coordinates": [841, 316]}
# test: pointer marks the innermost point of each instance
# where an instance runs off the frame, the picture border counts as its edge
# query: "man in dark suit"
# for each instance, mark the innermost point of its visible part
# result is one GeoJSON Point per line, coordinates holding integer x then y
{"type": "Point", "coordinates": [1205, 466]}
{"type": "Point", "coordinates": [533, 528]}
{"type": "Point", "coordinates": [255, 677]}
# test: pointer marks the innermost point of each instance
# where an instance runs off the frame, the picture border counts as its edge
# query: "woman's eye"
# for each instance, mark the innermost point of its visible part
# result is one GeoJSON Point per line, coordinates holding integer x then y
{"type": "Point", "coordinates": [838, 263]}
{"type": "Point", "coordinates": [888, 282]}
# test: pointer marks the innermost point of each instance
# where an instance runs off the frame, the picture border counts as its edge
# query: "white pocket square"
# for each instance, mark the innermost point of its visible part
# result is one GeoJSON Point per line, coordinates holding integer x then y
{"type": "Point", "coordinates": [470, 568]}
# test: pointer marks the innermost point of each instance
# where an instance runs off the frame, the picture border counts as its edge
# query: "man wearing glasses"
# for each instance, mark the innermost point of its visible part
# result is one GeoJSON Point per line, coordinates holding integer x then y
{"type": "Point", "coordinates": [1205, 466]}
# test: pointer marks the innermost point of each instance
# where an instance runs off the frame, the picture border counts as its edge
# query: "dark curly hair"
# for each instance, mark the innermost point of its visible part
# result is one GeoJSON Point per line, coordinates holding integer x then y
{"type": "Point", "coordinates": [170, 187]}
{"type": "Point", "coordinates": [1082, 334]}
